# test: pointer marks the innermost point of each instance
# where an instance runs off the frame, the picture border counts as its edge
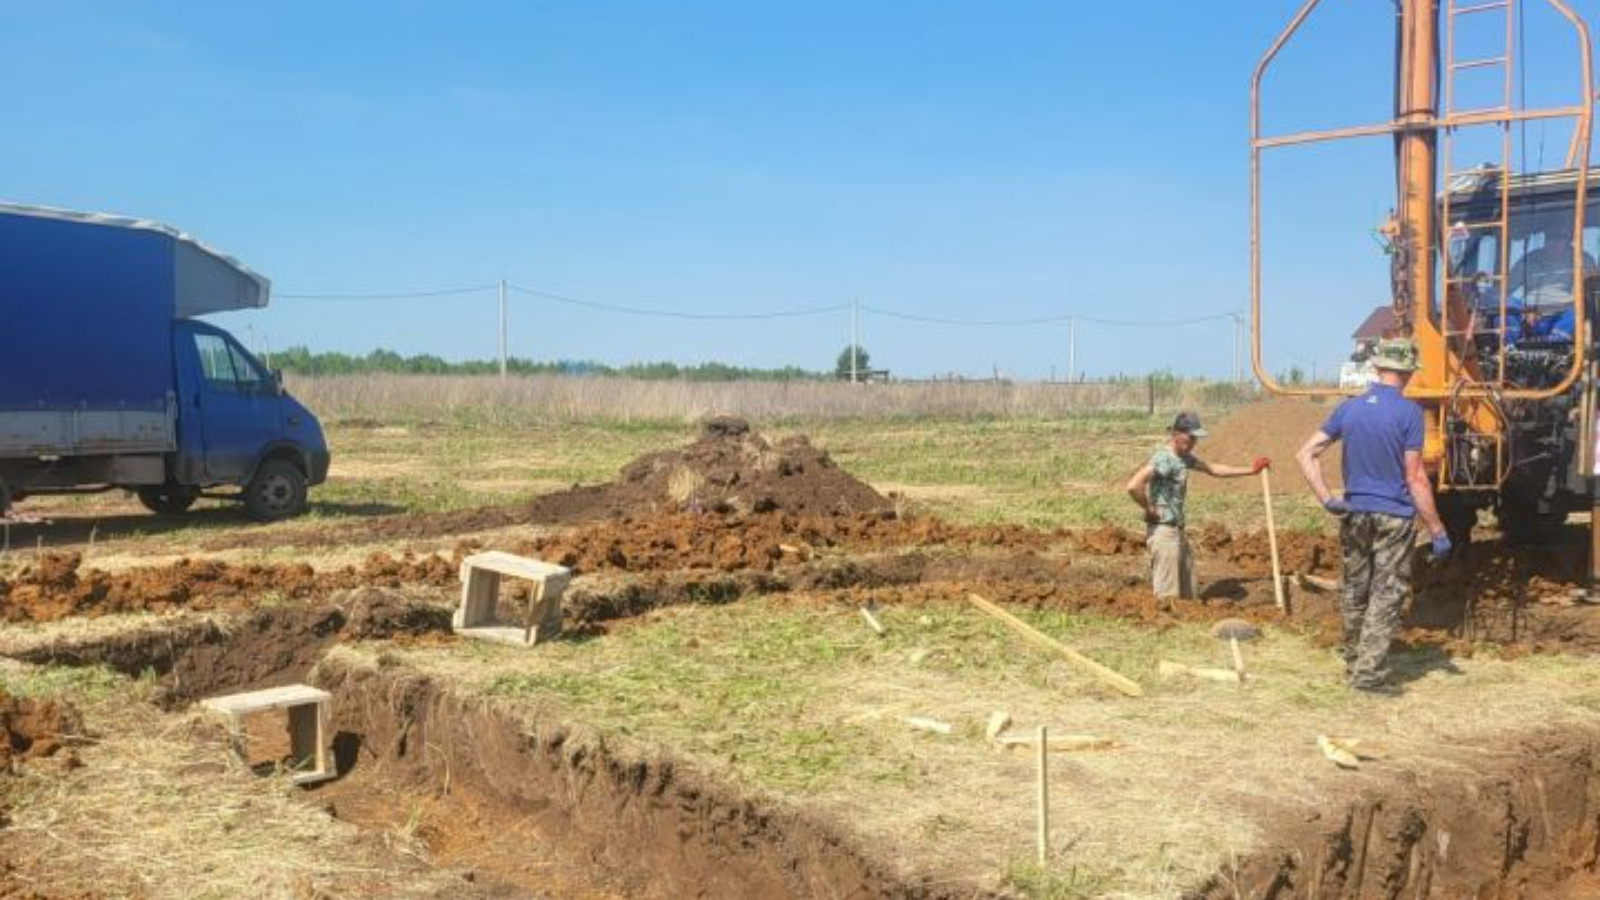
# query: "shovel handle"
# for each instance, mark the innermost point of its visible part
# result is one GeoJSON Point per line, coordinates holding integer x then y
{"type": "Point", "coordinates": [1272, 541]}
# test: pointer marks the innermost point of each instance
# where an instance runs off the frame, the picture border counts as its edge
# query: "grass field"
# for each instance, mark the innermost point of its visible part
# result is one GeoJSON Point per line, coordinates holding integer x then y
{"type": "Point", "coordinates": [1058, 472]}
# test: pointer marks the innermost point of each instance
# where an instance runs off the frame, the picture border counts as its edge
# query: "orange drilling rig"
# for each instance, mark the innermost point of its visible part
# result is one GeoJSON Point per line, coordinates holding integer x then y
{"type": "Point", "coordinates": [1492, 268]}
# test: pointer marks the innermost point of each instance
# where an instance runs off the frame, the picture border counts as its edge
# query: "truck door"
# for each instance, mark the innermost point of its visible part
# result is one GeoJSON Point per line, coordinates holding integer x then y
{"type": "Point", "coordinates": [236, 402]}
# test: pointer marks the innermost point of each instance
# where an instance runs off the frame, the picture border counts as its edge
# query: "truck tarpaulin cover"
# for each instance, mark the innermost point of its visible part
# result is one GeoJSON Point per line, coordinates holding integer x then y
{"type": "Point", "coordinates": [87, 303]}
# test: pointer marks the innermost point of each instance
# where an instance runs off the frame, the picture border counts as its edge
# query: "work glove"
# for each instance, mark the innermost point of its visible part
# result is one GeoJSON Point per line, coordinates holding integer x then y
{"type": "Point", "coordinates": [1336, 506]}
{"type": "Point", "coordinates": [1261, 463]}
{"type": "Point", "coordinates": [1441, 548]}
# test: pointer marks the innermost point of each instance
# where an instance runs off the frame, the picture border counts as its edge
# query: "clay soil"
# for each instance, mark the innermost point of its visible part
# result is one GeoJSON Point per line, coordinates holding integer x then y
{"type": "Point", "coordinates": [35, 729]}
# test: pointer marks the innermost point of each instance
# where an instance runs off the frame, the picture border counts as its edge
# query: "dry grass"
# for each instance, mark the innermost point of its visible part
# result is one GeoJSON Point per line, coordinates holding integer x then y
{"type": "Point", "coordinates": [389, 398]}
{"type": "Point", "coordinates": [157, 811]}
{"type": "Point", "coordinates": [805, 705]}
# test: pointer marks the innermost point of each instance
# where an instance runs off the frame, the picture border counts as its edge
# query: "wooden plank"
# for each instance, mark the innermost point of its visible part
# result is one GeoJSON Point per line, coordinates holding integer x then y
{"type": "Point", "coordinates": [1040, 639]}
{"type": "Point", "coordinates": [515, 566]}
{"type": "Point", "coordinates": [1060, 743]}
{"type": "Point", "coordinates": [264, 700]}
{"type": "Point", "coordinates": [1229, 676]}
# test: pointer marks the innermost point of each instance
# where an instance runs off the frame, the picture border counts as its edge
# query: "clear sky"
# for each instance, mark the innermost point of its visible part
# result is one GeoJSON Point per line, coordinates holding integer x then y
{"type": "Point", "coordinates": [966, 160]}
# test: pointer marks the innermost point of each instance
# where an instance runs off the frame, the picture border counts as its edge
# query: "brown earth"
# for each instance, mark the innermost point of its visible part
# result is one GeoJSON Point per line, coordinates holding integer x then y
{"type": "Point", "coordinates": [1511, 821]}
{"type": "Point", "coordinates": [55, 585]}
{"type": "Point", "coordinates": [1275, 429]}
{"type": "Point", "coordinates": [658, 829]}
{"type": "Point", "coordinates": [35, 729]}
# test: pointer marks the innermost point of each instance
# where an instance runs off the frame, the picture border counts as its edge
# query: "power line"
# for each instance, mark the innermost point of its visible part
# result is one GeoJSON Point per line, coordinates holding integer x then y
{"type": "Point", "coordinates": [628, 309]}
{"type": "Point", "coordinates": [677, 314]}
{"type": "Point", "coordinates": [401, 295]}
{"type": "Point", "coordinates": [1047, 320]}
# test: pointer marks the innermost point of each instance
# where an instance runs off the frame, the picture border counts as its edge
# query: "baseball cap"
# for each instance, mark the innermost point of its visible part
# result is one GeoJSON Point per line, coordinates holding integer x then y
{"type": "Point", "coordinates": [1188, 423]}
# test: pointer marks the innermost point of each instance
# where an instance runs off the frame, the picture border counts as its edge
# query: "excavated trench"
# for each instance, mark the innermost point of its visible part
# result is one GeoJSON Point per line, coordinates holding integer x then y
{"type": "Point", "coordinates": [505, 795]}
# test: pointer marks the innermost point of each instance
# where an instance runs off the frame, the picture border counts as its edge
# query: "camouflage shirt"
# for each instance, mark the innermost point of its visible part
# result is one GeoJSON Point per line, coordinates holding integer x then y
{"type": "Point", "coordinates": [1169, 485]}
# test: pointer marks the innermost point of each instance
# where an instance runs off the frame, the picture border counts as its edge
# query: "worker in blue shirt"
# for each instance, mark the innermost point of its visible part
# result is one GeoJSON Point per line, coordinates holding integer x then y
{"type": "Point", "coordinates": [1385, 489]}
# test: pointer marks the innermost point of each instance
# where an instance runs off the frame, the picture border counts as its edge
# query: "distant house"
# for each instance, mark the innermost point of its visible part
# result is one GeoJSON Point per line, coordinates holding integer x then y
{"type": "Point", "coordinates": [1357, 373]}
{"type": "Point", "coordinates": [1376, 326]}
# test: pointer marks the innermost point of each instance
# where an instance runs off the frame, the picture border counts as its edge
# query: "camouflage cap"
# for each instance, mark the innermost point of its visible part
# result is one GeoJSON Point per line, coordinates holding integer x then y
{"type": "Point", "coordinates": [1395, 354]}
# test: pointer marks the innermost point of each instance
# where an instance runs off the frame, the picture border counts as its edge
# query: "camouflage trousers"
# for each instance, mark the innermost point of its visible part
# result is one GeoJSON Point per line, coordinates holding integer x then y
{"type": "Point", "coordinates": [1376, 585]}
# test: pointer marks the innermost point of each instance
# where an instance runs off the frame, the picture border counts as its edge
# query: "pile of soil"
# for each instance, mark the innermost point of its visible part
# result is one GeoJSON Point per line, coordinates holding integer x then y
{"type": "Point", "coordinates": [374, 613]}
{"type": "Point", "coordinates": [55, 584]}
{"type": "Point", "coordinates": [762, 542]}
{"type": "Point", "coordinates": [1276, 429]}
{"type": "Point", "coordinates": [733, 469]}
{"type": "Point", "coordinates": [35, 729]}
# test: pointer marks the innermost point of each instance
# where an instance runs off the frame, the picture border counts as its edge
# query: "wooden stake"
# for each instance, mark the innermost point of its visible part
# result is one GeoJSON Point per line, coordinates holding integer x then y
{"type": "Point", "coordinates": [1272, 539]}
{"type": "Point", "coordinates": [872, 621]}
{"type": "Point", "coordinates": [1040, 639]}
{"type": "Point", "coordinates": [1044, 796]}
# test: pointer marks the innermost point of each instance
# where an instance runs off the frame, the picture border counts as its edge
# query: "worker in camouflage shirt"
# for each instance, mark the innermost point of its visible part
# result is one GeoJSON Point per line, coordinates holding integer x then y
{"type": "Point", "coordinates": [1160, 488]}
{"type": "Point", "coordinates": [1385, 489]}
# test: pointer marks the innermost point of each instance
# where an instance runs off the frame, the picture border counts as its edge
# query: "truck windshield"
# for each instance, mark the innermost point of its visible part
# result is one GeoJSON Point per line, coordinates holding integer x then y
{"type": "Point", "coordinates": [1540, 258]}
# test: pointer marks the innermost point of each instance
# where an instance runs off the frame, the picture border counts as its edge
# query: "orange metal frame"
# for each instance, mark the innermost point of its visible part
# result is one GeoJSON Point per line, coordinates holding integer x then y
{"type": "Point", "coordinates": [1421, 122]}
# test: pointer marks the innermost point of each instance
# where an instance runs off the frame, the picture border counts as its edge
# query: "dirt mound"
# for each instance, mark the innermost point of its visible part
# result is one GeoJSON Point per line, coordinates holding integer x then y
{"type": "Point", "coordinates": [55, 585]}
{"type": "Point", "coordinates": [35, 729]}
{"type": "Point", "coordinates": [383, 613]}
{"type": "Point", "coordinates": [732, 469]}
{"type": "Point", "coordinates": [1276, 429]}
{"type": "Point", "coordinates": [760, 542]}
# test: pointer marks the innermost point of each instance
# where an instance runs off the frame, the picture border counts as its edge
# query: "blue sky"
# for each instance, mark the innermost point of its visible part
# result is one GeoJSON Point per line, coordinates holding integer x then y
{"type": "Point", "coordinates": [1000, 160]}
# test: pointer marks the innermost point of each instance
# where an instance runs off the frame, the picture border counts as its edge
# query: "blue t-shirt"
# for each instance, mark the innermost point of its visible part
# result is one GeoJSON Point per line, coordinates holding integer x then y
{"type": "Point", "coordinates": [1377, 428]}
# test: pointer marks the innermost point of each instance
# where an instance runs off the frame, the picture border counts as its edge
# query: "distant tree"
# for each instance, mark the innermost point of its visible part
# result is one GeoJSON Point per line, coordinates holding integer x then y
{"type": "Point", "coordinates": [842, 368]}
{"type": "Point", "coordinates": [1295, 377]}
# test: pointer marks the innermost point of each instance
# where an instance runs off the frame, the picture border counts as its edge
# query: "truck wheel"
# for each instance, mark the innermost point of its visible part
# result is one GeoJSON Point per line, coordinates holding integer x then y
{"type": "Point", "coordinates": [277, 491]}
{"type": "Point", "coordinates": [168, 499]}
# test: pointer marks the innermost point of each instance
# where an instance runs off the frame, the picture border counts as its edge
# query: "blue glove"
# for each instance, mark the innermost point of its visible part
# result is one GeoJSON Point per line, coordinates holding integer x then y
{"type": "Point", "coordinates": [1336, 506]}
{"type": "Point", "coordinates": [1441, 548]}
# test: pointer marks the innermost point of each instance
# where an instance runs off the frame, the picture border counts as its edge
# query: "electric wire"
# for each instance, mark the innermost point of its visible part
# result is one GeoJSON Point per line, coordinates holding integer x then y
{"type": "Point", "coordinates": [676, 314]}
{"type": "Point", "coordinates": [393, 295]}
{"type": "Point", "coordinates": [1047, 320]}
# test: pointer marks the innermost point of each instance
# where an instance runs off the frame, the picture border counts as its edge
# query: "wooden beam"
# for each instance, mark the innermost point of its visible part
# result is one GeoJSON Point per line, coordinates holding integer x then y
{"type": "Point", "coordinates": [1040, 639]}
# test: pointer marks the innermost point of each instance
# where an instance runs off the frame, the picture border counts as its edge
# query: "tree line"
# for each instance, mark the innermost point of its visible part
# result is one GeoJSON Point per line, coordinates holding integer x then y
{"type": "Point", "coordinates": [302, 361]}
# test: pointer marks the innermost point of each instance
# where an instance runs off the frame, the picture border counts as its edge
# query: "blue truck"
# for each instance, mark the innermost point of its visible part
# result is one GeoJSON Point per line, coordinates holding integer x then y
{"type": "Point", "coordinates": [108, 380]}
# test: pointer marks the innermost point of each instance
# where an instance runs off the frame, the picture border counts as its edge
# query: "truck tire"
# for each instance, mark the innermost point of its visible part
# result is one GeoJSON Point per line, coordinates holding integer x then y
{"type": "Point", "coordinates": [278, 491]}
{"type": "Point", "coordinates": [168, 499]}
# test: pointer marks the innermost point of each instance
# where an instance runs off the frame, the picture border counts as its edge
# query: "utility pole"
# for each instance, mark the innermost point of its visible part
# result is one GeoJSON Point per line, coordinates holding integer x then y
{"type": "Point", "coordinates": [1238, 349]}
{"type": "Point", "coordinates": [502, 329]}
{"type": "Point", "coordinates": [855, 339]}
{"type": "Point", "coordinates": [1072, 348]}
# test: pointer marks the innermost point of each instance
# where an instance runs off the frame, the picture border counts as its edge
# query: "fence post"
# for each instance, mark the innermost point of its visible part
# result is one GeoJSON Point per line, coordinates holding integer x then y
{"type": "Point", "coordinates": [1150, 390]}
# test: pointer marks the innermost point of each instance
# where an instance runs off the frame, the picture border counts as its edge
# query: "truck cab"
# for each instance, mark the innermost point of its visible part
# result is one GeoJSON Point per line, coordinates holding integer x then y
{"type": "Point", "coordinates": [237, 426]}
